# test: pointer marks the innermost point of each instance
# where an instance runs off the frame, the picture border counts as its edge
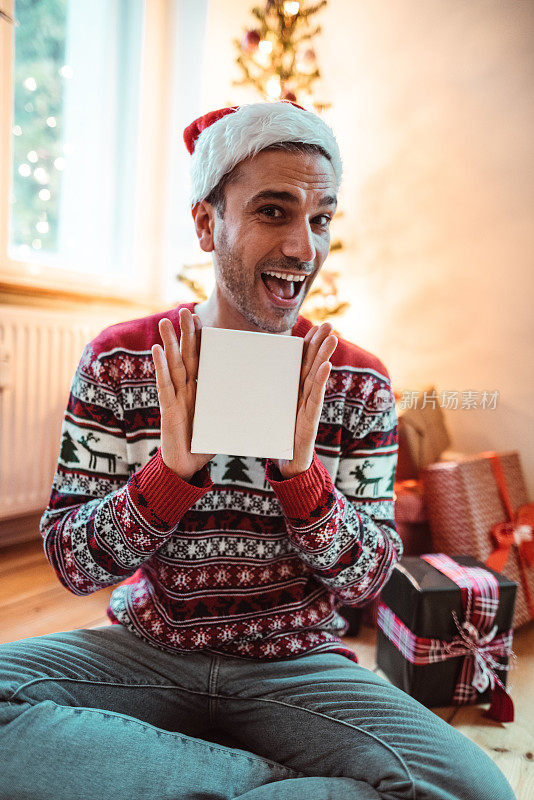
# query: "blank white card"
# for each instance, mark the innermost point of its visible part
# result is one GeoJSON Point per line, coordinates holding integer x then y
{"type": "Point", "coordinates": [247, 393]}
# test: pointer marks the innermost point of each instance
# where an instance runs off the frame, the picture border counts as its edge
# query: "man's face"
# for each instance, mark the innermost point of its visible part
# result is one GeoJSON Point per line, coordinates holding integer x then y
{"type": "Point", "coordinates": [277, 218]}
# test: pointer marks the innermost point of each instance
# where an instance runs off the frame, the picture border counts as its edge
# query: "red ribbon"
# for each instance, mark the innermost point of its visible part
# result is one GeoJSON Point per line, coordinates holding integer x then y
{"type": "Point", "coordinates": [518, 532]}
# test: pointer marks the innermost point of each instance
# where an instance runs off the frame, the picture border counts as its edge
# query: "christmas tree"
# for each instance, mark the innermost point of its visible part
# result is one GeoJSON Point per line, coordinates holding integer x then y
{"type": "Point", "coordinates": [236, 471]}
{"type": "Point", "coordinates": [276, 56]}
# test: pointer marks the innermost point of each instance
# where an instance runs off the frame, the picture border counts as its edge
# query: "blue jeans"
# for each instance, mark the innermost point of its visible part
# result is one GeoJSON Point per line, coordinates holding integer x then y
{"type": "Point", "coordinates": [102, 715]}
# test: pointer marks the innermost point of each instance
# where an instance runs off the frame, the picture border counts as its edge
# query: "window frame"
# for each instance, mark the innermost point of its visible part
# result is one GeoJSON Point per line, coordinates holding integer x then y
{"type": "Point", "coordinates": [17, 275]}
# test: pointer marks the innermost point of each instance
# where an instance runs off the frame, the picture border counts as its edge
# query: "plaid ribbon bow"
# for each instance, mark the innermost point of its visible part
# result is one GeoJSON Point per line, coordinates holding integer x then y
{"type": "Point", "coordinates": [476, 640]}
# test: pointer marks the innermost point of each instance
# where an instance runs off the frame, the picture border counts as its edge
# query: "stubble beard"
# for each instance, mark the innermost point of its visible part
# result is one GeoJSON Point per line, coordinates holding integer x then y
{"type": "Point", "coordinates": [240, 290]}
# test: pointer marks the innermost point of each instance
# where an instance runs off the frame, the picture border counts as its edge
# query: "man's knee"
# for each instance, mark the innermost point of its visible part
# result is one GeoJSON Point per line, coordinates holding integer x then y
{"type": "Point", "coordinates": [463, 771]}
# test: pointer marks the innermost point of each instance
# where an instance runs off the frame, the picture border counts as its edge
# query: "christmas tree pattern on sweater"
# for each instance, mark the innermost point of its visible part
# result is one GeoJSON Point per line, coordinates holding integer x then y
{"type": "Point", "coordinates": [239, 561]}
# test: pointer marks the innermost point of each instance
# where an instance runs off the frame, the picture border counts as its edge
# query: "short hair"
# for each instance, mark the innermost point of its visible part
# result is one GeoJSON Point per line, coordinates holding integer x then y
{"type": "Point", "coordinates": [217, 196]}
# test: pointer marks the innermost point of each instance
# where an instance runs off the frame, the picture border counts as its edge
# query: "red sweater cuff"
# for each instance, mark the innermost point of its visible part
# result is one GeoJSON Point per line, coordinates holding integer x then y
{"type": "Point", "coordinates": [161, 496]}
{"type": "Point", "coordinates": [303, 493]}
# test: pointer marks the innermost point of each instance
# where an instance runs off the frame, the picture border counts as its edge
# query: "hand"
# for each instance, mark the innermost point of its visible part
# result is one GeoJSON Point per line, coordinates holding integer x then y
{"type": "Point", "coordinates": [176, 374]}
{"type": "Point", "coordinates": [318, 347]}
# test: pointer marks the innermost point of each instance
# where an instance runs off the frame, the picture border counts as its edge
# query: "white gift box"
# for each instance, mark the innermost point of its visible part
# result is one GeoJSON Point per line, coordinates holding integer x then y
{"type": "Point", "coordinates": [247, 393]}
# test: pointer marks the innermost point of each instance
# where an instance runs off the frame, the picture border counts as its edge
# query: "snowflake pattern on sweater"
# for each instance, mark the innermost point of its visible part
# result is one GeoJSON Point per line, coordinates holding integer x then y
{"type": "Point", "coordinates": [239, 561]}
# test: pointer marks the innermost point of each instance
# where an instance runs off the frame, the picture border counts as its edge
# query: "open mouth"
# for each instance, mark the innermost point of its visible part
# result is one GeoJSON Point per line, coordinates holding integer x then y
{"type": "Point", "coordinates": [282, 291]}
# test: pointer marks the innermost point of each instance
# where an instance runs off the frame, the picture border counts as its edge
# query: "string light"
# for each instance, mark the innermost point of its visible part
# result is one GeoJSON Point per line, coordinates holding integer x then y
{"type": "Point", "coordinates": [273, 86]}
{"type": "Point", "coordinates": [291, 7]}
{"type": "Point", "coordinates": [262, 54]}
{"type": "Point", "coordinates": [42, 226]}
{"type": "Point", "coordinates": [25, 170]}
{"type": "Point", "coordinates": [51, 122]}
{"type": "Point", "coordinates": [17, 130]}
{"type": "Point", "coordinates": [59, 163]}
{"type": "Point", "coordinates": [262, 59]}
{"type": "Point", "coordinates": [44, 194]}
{"type": "Point", "coordinates": [30, 84]}
{"type": "Point", "coordinates": [41, 175]}
{"type": "Point", "coordinates": [32, 156]}
{"type": "Point", "coordinates": [66, 71]}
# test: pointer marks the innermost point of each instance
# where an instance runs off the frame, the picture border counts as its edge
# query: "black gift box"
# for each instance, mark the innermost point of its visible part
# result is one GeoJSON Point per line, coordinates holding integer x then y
{"type": "Point", "coordinates": [423, 598]}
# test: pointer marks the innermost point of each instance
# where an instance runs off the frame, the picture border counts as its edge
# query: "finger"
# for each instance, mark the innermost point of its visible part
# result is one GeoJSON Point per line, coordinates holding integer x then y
{"type": "Point", "coordinates": [314, 403]}
{"type": "Point", "coordinates": [307, 339]}
{"type": "Point", "coordinates": [310, 333]}
{"type": "Point", "coordinates": [198, 333]}
{"type": "Point", "coordinates": [188, 343]}
{"type": "Point", "coordinates": [312, 343]}
{"type": "Point", "coordinates": [172, 353]}
{"type": "Point", "coordinates": [304, 368]}
{"type": "Point", "coordinates": [319, 335]}
{"type": "Point", "coordinates": [324, 352]}
{"type": "Point", "coordinates": [198, 329]}
{"type": "Point", "coordinates": [165, 387]}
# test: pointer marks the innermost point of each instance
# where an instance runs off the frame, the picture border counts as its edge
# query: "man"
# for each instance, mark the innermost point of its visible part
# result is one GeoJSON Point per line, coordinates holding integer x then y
{"type": "Point", "coordinates": [224, 675]}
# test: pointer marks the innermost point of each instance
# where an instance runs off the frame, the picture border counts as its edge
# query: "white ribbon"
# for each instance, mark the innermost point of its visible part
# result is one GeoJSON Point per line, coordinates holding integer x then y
{"type": "Point", "coordinates": [479, 647]}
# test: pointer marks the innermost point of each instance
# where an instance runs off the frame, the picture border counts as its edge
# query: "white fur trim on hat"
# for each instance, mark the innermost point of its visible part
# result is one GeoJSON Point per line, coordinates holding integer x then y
{"type": "Point", "coordinates": [248, 130]}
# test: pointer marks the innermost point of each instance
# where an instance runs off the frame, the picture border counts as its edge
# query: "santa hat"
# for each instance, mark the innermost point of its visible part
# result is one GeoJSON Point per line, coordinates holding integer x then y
{"type": "Point", "coordinates": [221, 139]}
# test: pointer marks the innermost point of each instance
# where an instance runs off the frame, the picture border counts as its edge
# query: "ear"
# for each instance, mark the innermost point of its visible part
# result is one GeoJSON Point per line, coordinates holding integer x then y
{"type": "Point", "coordinates": [203, 214]}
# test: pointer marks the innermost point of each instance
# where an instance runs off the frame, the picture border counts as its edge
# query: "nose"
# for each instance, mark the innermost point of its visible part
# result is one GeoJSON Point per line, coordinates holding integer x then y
{"type": "Point", "coordinates": [298, 241]}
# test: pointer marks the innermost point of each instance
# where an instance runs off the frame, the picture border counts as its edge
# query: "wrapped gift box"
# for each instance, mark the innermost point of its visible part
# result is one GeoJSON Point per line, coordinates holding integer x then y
{"type": "Point", "coordinates": [411, 517]}
{"type": "Point", "coordinates": [464, 504]}
{"type": "Point", "coordinates": [420, 602]}
{"type": "Point", "coordinates": [423, 434]}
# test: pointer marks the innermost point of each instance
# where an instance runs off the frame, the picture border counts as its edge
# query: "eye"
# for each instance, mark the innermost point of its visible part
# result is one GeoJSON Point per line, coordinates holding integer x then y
{"type": "Point", "coordinates": [270, 212]}
{"type": "Point", "coordinates": [323, 219]}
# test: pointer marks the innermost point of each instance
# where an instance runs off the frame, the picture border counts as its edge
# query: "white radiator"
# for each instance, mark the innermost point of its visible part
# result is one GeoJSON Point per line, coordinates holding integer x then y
{"type": "Point", "coordinates": [39, 353]}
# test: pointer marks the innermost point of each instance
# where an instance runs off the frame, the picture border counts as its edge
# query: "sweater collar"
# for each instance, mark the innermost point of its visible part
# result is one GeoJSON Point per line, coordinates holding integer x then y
{"type": "Point", "coordinates": [300, 328]}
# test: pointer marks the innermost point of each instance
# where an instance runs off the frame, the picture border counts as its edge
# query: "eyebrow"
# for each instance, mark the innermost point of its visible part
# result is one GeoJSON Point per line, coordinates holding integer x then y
{"type": "Point", "coordinates": [271, 194]}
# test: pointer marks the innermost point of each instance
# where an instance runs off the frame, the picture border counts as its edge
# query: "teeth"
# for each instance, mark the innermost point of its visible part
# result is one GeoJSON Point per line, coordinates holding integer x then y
{"type": "Point", "coordinates": [297, 278]}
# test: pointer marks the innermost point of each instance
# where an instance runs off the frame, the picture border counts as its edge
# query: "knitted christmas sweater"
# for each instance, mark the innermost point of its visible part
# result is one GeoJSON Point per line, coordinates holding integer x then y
{"type": "Point", "coordinates": [237, 561]}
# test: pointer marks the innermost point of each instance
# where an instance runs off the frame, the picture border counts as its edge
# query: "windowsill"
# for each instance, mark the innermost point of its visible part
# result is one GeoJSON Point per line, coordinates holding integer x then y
{"type": "Point", "coordinates": [71, 288]}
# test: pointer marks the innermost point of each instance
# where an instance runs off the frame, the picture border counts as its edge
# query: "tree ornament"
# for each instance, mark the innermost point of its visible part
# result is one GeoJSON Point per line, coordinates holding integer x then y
{"type": "Point", "coordinates": [276, 56]}
{"type": "Point", "coordinates": [250, 41]}
{"type": "Point", "coordinates": [307, 61]}
{"type": "Point", "coordinates": [288, 95]}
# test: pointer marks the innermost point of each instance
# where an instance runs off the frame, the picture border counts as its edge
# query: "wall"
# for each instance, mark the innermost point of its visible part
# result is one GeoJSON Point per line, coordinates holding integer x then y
{"type": "Point", "coordinates": [432, 106]}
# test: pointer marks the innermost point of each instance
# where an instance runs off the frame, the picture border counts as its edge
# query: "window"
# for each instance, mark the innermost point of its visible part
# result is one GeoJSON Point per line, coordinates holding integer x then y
{"type": "Point", "coordinates": [76, 107]}
{"type": "Point", "coordinates": [93, 100]}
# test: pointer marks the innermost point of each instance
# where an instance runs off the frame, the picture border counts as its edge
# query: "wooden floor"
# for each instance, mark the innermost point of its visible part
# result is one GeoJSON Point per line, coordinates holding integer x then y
{"type": "Point", "coordinates": [33, 603]}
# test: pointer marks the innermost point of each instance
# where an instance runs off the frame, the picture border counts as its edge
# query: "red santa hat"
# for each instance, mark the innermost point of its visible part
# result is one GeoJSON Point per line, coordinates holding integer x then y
{"type": "Point", "coordinates": [219, 140]}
